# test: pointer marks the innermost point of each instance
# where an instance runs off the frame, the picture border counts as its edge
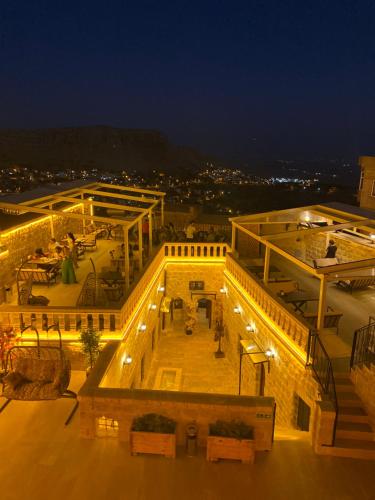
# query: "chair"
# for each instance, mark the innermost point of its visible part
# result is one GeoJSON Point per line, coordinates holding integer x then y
{"type": "Point", "coordinates": [356, 284]}
{"type": "Point", "coordinates": [89, 243]}
{"type": "Point", "coordinates": [35, 373]}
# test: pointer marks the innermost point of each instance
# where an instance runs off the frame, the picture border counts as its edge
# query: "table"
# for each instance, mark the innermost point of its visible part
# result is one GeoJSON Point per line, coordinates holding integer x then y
{"type": "Point", "coordinates": [111, 278]}
{"type": "Point", "coordinates": [325, 262]}
{"type": "Point", "coordinates": [298, 299]}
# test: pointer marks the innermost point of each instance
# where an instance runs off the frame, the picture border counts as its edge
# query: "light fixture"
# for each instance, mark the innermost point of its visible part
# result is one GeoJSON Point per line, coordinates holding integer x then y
{"type": "Point", "coordinates": [250, 327]}
{"type": "Point", "coordinates": [127, 360]}
{"type": "Point", "coordinates": [223, 289]}
{"type": "Point", "coordinates": [270, 353]}
{"type": "Point", "coordinates": [237, 310]}
{"type": "Point", "coordinates": [372, 236]}
{"type": "Point", "coordinates": [142, 327]}
{"type": "Point", "coordinates": [161, 288]}
{"type": "Point", "coordinates": [153, 307]}
{"type": "Point", "coordinates": [307, 218]}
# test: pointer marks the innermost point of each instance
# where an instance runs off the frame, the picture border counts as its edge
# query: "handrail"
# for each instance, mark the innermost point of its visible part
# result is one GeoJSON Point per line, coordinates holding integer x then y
{"type": "Point", "coordinates": [321, 365]}
{"type": "Point", "coordinates": [363, 349]}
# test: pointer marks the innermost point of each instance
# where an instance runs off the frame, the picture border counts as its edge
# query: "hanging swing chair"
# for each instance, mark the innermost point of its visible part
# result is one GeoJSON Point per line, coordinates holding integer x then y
{"type": "Point", "coordinates": [37, 373]}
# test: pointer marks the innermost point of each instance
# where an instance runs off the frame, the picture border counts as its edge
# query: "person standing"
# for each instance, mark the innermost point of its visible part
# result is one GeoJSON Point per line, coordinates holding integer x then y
{"type": "Point", "coordinates": [73, 249]}
{"type": "Point", "coordinates": [68, 276]}
{"type": "Point", "coordinates": [331, 250]}
{"type": "Point", "coordinates": [190, 232]}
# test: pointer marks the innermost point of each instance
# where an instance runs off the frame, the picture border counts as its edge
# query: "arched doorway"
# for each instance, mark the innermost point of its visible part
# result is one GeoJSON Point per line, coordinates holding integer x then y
{"type": "Point", "coordinates": [204, 311]}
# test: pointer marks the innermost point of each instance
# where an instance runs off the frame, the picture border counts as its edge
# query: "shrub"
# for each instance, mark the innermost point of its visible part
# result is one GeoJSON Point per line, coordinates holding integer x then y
{"type": "Point", "coordinates": [152, 422]}
{"type": "Point", "coordinates": [234, 429]}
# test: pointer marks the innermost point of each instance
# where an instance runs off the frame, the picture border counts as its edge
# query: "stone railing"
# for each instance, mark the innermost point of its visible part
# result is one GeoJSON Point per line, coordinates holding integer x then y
{"type": "Point", "coordinates": [112, 322]}
{"type": "Point", "coordinates": [71, 320]}
{"type": "Point", "coordinates": [275, 311]}
{"type": "Point", "coordinates": [195, 250]}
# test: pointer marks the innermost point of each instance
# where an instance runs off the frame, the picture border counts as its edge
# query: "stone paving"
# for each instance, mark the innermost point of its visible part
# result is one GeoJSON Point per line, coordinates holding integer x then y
{"type": "Point", "coordinates": [194, 354]}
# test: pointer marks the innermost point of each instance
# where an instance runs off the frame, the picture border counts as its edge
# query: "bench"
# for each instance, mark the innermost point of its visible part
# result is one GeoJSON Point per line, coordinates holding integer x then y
{"type": "Point", "coordinates": [331, 319]}
{"type": "Point", "coordinates": [38, 275]}
{"type": "Point", "coordinates": [89, 242]}
{"type": "Point", "coordinates": [356, 284]}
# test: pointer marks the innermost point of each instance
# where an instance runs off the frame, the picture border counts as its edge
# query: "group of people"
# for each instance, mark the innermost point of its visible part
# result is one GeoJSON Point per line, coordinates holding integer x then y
{"type": "Point", "coordinates": [190, 233]}
{"type": "Point", "coordinates": [66, 255]}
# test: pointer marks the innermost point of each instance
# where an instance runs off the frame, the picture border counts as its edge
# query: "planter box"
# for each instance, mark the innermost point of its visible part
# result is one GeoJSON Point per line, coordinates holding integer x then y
{"type": "Point", "coordinates": [153, 442]}
{"type": "Point", "coordinates": [230, 448]}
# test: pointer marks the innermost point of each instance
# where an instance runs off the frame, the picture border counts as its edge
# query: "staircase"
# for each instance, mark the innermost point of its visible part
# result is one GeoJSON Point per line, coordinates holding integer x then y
{"type": "Point", "coordinates": [355, 437]}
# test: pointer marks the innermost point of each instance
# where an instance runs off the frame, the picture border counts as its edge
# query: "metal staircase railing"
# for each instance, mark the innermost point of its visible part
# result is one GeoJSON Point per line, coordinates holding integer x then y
{"type": "Point", "coordinates": [321, 365]}
{"type": "Point", "coordinates": [363, 349]}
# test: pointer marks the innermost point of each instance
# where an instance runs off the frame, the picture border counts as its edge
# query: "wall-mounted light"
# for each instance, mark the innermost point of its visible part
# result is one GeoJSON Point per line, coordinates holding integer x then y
{"type": "Point", "coordinates": [161, 288]}
{"type": "Point", "coordinates": [142, 327]}
{"type": "Point", "coordinates": [153, 307]}
{"type": "Point", "coordinates": [223, 289]}
{"type": "Point", "coordinates": [127, 360]}
{"type": "Point", "coordinates": [237, 310]}
{"type": "Point", "coordinates": [372, 236]}
{"type": "Point", "coordinates": [251, 328]}
{"type": "Point", "coordinates": [270, 353]}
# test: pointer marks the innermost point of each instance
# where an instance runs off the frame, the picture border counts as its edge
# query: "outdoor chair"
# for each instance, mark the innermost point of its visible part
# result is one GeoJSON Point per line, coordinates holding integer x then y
{"type": "Point", "coordinates": [356, 284]}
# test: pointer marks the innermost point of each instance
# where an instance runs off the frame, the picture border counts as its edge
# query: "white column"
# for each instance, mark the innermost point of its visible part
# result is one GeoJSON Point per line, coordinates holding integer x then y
{"type": "Point", "coordinates": [126, 244]}
{"type": "Point", "coordinates": [140, 244]}
{"type": "Point", "coordinates": [150, 230]}
{"type": "Point", "coordinates": [266, 271]}
{"type": "Point", "coordinates": [322, 302]}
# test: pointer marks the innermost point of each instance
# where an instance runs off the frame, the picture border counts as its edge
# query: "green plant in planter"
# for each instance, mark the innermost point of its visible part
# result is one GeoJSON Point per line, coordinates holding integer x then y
{"type": "Point", "coordinates": [152, 422]}
{"type": "Point", "coordinates": [234, 429]}
{"type": "Point", "coordinates": [90, 340]}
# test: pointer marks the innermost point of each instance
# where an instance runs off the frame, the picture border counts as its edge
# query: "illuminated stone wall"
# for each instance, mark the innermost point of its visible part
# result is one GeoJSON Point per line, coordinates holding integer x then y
{"type": "Point", "coordinates": [364, 381]}
{"type": "Point", "coordinates": [23, 241]}
{"type": "Point", "coordinates": [287, 378]}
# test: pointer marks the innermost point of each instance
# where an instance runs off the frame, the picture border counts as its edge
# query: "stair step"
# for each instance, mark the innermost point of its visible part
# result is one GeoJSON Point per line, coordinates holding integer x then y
{"type": "Point", "coordinates": [348, 399]}
{"type": "Point", "coordinates": [351, 448]}
{"type": "Point", "coordinates": [354, 430]}
{"type": "Point", "coordinates": [343, 387]}
{"type": "Point", "coordinates": [350, 417]}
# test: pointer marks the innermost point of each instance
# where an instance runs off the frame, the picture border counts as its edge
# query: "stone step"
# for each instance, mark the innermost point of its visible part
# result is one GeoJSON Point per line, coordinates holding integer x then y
{"type": "Point", "coordinates": [346, 398]}
{"type": "Point", "coordinates": [352, 414]}
{"type": "Point", "coordinates": [354, 430]}
{"type": "Point", "coordinates": [351, 448]}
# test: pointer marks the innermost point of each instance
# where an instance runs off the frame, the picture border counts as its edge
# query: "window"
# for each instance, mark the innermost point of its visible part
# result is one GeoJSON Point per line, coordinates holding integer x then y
{"type": "Point", "coordinates": [106, 427]}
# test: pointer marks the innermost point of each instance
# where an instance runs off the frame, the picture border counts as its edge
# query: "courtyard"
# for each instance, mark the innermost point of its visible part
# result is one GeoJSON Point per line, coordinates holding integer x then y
{"type": "Point", "coordinates": [45, 459]}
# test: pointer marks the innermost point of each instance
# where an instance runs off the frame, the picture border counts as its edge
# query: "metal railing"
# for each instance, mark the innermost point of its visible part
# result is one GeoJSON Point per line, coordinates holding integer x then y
{"type": "Point", "coordinates": [321, 365]}
{"type": "Point", "coordinates": [363, 349]}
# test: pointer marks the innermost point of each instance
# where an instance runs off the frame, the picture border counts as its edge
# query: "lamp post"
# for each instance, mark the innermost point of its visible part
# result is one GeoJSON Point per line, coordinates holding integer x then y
{"type": "Point", "coordinates": [249, 348]}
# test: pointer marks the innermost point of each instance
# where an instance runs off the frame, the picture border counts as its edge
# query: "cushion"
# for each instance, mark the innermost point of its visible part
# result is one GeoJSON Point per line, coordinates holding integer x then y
{"type": "Point", "coordinates": [37, 370]}
{"type": "Point", "coordinates": [14, 380]}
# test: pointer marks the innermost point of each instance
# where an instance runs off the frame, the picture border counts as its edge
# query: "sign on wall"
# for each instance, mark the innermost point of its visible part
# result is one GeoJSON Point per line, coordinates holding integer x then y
{"type": "Point", "coordinates": [196, 285]}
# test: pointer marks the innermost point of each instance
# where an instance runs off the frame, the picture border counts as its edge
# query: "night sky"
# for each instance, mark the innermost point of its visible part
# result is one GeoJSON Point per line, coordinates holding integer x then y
{"type": "Point", "coordinates": [272, 79]}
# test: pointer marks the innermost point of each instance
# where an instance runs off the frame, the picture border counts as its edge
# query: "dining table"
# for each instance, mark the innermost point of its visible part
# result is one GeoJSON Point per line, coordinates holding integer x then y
{"type": "Point", "coordinates": [299, 298]}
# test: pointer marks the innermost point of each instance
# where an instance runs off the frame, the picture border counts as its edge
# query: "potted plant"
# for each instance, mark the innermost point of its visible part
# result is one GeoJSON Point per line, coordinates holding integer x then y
{"type": "Point", "coordinates": [191, 321]}
{"type": "Point", "coordinates": [90, 341]}
{"type": "Point", "coordinates": [153, 433]}
{"type": "Point", "coordinates": [231, 440]}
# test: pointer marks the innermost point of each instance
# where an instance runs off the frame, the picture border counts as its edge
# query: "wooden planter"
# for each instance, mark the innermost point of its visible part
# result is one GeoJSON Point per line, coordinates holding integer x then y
{"type": "Point", "coordinates": [230, 448]}
{"type": "Point", "coordinates": [153, 442]}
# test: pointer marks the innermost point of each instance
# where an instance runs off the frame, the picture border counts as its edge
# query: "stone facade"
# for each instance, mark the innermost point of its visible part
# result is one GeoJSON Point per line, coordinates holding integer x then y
{"type": "Point", "coordinates": [363, 378]}
{"type": "Point", "coordinates": [287, 378]}
{"type": "Point", "coordinates": [366, 193]}
{"type": "Point", "coordinates": [24, 239]}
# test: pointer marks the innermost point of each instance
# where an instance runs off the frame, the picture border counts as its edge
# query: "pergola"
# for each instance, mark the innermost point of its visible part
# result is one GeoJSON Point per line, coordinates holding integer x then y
{"type": "Point", "coordinates": [309, 220]}
{"type": "Point", "coordinates": [138, 202]}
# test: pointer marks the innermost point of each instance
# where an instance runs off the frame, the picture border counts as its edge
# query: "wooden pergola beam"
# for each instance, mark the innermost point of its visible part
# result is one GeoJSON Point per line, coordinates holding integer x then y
{"type": "Point", "coordinates": [347, 266]}
{"type": "Point", "coordinates": [66, 192]}
{"type": "Point", "coordinates": [313, 230]}
{"type": "Point", "coordinates": [120, 196]}
{"type": "Point", "coordinates": [255, 217]}
{"type": "Point", "coordinates": [131, 189]}
{"type": "Point", "coordinates": [62, 213]}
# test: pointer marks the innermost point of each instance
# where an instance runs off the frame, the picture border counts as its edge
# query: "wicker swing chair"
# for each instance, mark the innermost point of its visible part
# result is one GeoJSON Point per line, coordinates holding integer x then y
{"type": "Point", "coordinates": [37, 373]}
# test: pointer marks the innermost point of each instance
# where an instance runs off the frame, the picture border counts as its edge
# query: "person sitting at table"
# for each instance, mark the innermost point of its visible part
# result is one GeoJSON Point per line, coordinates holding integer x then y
{"type": "Point", "coordinates": [331, 250]}
{"type": "Point", "coordinates": [58, 253]}
{"type": "Point", "coordinates": [52, 245]}
{"type": "Point", "coordinates": [39, 254]}
{"type": "Point", "coordinates": [68, 275]}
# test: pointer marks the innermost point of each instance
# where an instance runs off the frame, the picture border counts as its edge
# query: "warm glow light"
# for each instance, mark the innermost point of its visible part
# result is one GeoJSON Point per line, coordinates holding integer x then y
{"type": "Point", "coordinates": [153, 307]}
{"type": "Point", "coordinates": [270, 353]}
{"type": "Point", "coordinates": [372, 236]}
{"type": "Point", "coordinates": [161, 289]}
{"type": "Point", "coordinates": [127, 360]}
{"type": "Point", "coordinates": [237, 310]}
{"type": "Point", "coordinates": [250, 327]}
{"type": "Point", "coordinates": [223, 290]}
{"type": "Point", "coordinates": [142, 327]}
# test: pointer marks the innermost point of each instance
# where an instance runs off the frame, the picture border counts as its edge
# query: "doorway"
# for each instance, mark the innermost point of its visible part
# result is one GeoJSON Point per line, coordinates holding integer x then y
{"type": "Point", "coordinates": [260, 379]}
{"type": "Point", "coordinates": [303, 415]}
{"type": "Point", "coordinates": [204, 311]}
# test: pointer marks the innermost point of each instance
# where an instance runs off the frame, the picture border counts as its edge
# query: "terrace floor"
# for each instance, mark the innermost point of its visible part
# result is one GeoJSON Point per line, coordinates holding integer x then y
{"type": "Point", "coordinates": [43, 459]}
{"type": "Point", "coordinates": [194, 356]}
{"type": "Point", "coordinates": [60, 294]}
{"type": "Point", "coordinates": [356, 309]}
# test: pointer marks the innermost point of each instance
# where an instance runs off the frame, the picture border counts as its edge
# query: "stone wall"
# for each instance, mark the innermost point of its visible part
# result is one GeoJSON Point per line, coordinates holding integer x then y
{"type": "Point", "coordinates": [138, 344]}
{"type": "Point", "coordinates": [287, 378]}
{"type": "Point", "coordinates": [365, 195]}
{"type": "Point", "coordinates": [24, 239]}
{"type": "Point", "coordinates": [363, 379]}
